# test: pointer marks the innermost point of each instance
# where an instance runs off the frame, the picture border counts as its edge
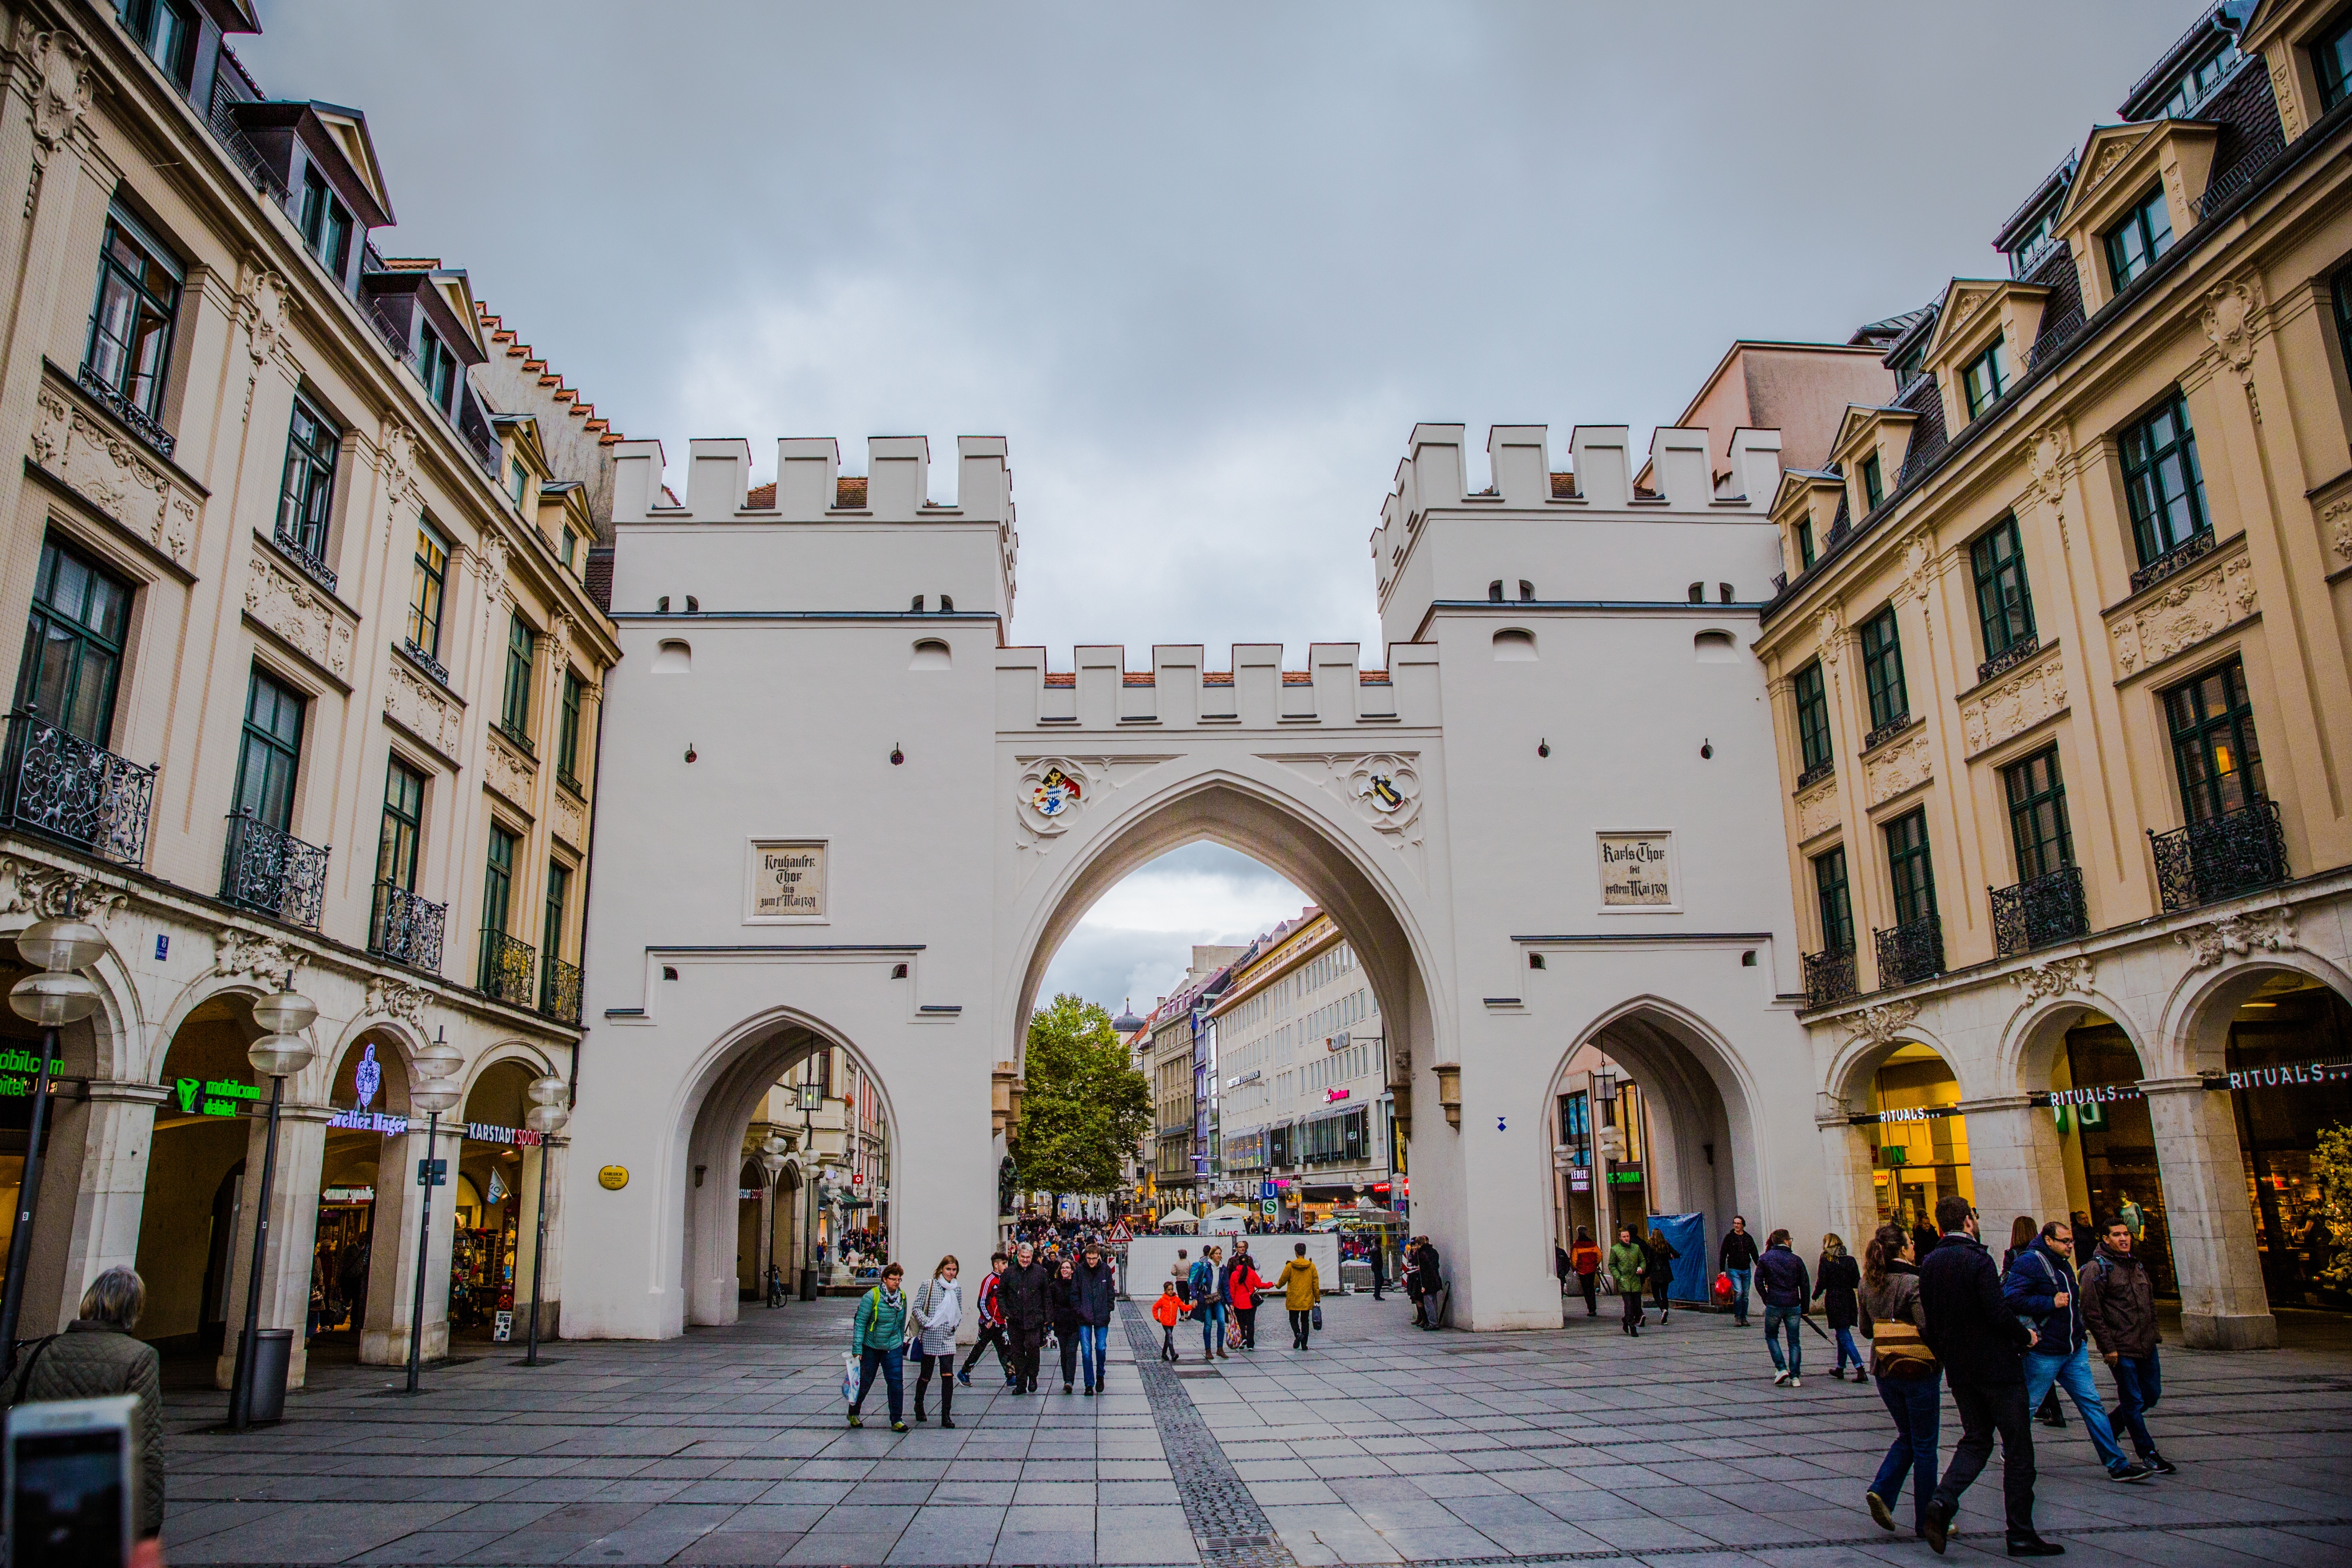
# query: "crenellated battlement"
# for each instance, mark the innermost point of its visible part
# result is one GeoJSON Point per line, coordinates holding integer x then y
{"type": "Point", "coordinates": [808, 486]}
{"type": "Point", "coordinates": [1179, 691]}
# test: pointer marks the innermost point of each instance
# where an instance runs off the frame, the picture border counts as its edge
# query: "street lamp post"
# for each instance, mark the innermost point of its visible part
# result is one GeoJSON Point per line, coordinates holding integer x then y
{"type": "Point", "coordinates": [436, 1090]}
{"type": "Point", "coordinates": [52, 999]}
{"type": "Point", "coordinates": [811, 1094]}
{"type": "Point", "coordinates": [280, 1052]}
{"type": "Point", "coordinates": [771, 1160]}
{"type": "Point", "coordinates": [546, 1117]}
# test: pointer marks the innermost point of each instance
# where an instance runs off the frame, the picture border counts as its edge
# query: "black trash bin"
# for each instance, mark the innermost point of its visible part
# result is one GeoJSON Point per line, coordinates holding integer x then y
{"type": "Point", "coordinates": [273, 1355]}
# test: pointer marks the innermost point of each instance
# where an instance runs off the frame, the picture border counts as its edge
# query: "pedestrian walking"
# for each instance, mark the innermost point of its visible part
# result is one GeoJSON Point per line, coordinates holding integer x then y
{"type": "Point", "coordinates": [1378, 1257]}
{"type": "Point", "coordinates": [937, 1309]}
{"type": "Point", "coordinates": [1660, 1270]}
{"type": "Point", "coordinates": [879, 1336]}
{"type": "Point", "coordinates": [1062, 1310]}
{"type": "Point", "coordinates": [1302, 1289]}
{"type": "Point", "coordinates": [2119, 1306]}
{"type": "Point", "coordinates": [1097, 1294]}
{"type": "Point", "coordinates": [1910, 1381]}
{"type": "Point", "coordinates": [96, 1358]}
{"type": "Point", "coordinates": [2041, 1286]}
{"type": "Point", "coordinates": [1584, 1260]}
{"type": "Point", "coordinates": [1209, 1302]}
{"type": "Point", "coordinates": [1627, 1262]}
{"type": "Point", "coordinates": [1412, 1282]}
{"type": "Point", "coordinates": [1835, 1278]}
{"type": "Point", "coordinates": [1180, 1272]}
{"type": "Point", "coordinates": [1981, 1346]}
{"type": "Point", "coordinates": [1167, 1311]}
{"type": "Point", "coordinates": [1788, 1295]}
{"type": "Point", "coordinates": [1737, 1258]}
{"type": "Point", "coordinates": [2022, 1232]}
{"type": "Point", "coordinates": [1022, 1294]}
{"type": "Point", "coordinates": [989, 1310]}
{"type": "Point", "coordinates": [1924, 1238]}
{"type": "Point", "coordinates": [1242, 1288]}
{"type": "Point", "coordinates": [1432, 1280]}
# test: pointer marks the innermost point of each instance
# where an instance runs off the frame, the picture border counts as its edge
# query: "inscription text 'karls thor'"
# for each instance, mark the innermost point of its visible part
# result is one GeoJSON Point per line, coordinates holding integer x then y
{"type": "Point", "coordinates": [1636, 869]}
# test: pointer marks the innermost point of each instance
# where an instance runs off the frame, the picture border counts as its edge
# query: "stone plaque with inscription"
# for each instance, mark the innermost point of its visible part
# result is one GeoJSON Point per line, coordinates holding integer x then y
{"type": "Point", "coordinates": [787, 880]}
{"type": "Point", "coordinates": [1636, 870]}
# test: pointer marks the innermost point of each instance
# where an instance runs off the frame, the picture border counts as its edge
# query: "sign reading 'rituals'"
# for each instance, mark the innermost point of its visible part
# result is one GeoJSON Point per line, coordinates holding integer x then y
{"type": "Point", "coordinates": [1637, 871]}
{"type": "Point", "coordinates": [787, 880]}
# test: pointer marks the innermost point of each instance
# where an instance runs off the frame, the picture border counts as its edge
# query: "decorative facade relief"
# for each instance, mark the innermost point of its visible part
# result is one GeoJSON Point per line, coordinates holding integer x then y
{"type": "Point", "coordinates": [1880, 1025]}
{"type": "Point", "coordinates": [60, 88]}
{"type": "Point", "coordinates": [47, 893]}
{"type": "Point", "coordinates": [2190, 608]}
{"type": "Point", "coordinates": [2231, 319]}
{"type": "Point", "coordinates": [490, 557]}
{"type": "Point", "coordinates": [1897, 769]}
{"type": "Point", "coordinates": [305, 619]}
{"type": "Point", "coordinates": [2048, 460]}
{"type": "Point", "coordinates": [2058, 977]}
{"type": "Point", "coordinates": [240, 953]}
{"type": "Point", "coordinates": [569, 819]}
{"type": "Point", "coordinates": [397, 1000]}
{"type": "Point", "coordinates": [2235, 936]}
{"type": "Point", "coordinates": [508, 771]}
{"type": "Point", "coordinates": [1381, 789]}
{"type": "Point", "coordinates": [2016, 704]}
{"type": "Point", "coordinates": [1817, 809]}
{"type": "Point", "coordinates": [2337, 521]}
{"type": "Point", "coordinates": [416, 706]}
{"type": "Point", "coordinates": [111, 473]}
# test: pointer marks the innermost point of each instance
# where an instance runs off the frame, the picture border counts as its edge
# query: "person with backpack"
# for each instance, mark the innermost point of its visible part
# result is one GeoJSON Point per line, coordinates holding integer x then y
{"type": "Point", "coordinates": [937, 1312]}
{"type": "Point", "coordinates": [2022, 1232]}
{"type": "Point", "coordinates": [1737, 1258]}
{"type": "Point", "coordinates": [96, 1358]}
{"type": "Point", "coordinates": [1835, 1278]}
{"type": "Point", "coordinates": [2042, 1290]}
{"type": "Point", "coordinates": [1584, 1262]}
{"type": "Point", "coordinates": [1980, 1344]}
{"type": "Point", "coordinates": [990, 1311]}
{"type": "Point", "coordinates": [1659, 1271]}
{"type": "Point", "coordinates": [1167, 1311]}
{"type": "Point", "coordinates": [2119, 1306]}
{"type": "Point", "coordinates": [1628, 1260]}
{"type": "Point", "coordinates": [879, 1336]}
{"type": "Point", "coordinates": [1910, 1381]}
{"type": "Point", "coordinates": [1788, 1294]}
{"type": "Point", "coordinates": [1097, 1300]}
{"type": "Point", "coordinates": [1302, 1291]}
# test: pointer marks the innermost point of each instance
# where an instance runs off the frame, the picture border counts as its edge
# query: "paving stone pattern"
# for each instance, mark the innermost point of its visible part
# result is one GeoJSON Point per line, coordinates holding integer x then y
{"type": "Point", "coordinates": [1381, 1443]}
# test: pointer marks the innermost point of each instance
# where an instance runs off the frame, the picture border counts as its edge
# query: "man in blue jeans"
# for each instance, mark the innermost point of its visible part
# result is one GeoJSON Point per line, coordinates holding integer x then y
{"type": "Point", "coordinates": [2119, 1306]}
{"type": "Point", "coordinates": [1780, 1275]}
{"type": "Point", "coordinates": [1095, 1283]}
{"type": "Point", "coordinates": [2040, 1288]}
{"type": "Point", "coordinates": [1737, 1258]}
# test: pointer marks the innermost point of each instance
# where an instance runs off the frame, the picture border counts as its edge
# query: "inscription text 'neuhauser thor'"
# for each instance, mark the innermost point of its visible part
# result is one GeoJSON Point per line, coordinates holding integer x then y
{"type": "Point", "coordinates": [787, 880]}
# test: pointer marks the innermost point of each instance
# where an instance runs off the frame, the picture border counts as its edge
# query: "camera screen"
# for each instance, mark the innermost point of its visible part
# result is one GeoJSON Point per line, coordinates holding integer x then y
{"type": "Point", "coordinates": [68, 1501]}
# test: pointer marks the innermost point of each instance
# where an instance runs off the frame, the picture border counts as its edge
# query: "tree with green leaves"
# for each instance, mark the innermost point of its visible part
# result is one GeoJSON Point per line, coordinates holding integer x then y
{"type": "Point", "coordinates": [1086, 1108]}
{"type": "Point", "coordinates": [2331, 1163]}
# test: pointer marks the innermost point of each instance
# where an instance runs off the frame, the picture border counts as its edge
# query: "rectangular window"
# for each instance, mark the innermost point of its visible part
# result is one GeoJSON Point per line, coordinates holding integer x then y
{"type": "Point", "coordinates": [1805, 554]}
{"type": "Point", "coordinates": [567, 733]}
{"type": "Point", "coordinates": [131, 325]}
{"type": "Point", "coordinates": [1829, 895]}
{"type": "Point", "coordinates": [426, 592]}
{"type": "Point", "coordinates": [2134, 244]}
{"type": "Point", "coordinates": [571, 548]}
{"type": "Point", "coordinates": [559, 891]}
{"type": "Point", "coordinates": [522, 649]}
{"type": "Point", "coordinates": [2162, 482]}
{"type": "Point", "coordinates": [2340, 291]}
{"type": "Point", "coordinates": [1812, 717]}
{"type": "Point", "coordinates": [1882, 669]}
{"type": "Point", "coordinates": [73, 644]}
{"type": "Point", "coordinates": [326, 223]}
{"type": "Point", "coordinates": [307, 493]}
{"type": "Point", "coordinates": [271, 752]}
{"type": "Point", "coordinates": [166, 30]}
{"type": "Point", "coordinates": [1911, 366]}
{"type": "Point", "coordinates": [1985, 377]}
{"type": "Point", "coordinates": [1874, 484]}
{"type": "Point", "coordinates": [2037, 815]}
{"type": "Point", "coordinates": [2004, 604]}
{"type": "Point", "coordinates": [2214, 752]}
{"type": "Point", "coordinates": [518, 481]}
{"type": "Point", "coordinates": [1907, 864]}
{"type": "Point", "coordinates": [498, 884]}
{"type": "Point", "coordinates": [404, 826]}
{"type": "Point", "coordinates": [2331, 61]}
{"type": "Point", "coordinates": [437, 367]}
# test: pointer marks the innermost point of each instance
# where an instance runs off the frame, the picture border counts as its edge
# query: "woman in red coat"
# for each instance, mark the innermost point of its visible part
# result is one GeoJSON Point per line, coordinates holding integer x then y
{"type": "Point", "coordinates": [1242, 1288]}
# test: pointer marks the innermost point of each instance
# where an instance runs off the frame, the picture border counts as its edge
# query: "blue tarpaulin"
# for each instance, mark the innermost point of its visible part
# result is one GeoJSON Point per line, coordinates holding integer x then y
{"type": "Point", "coordinates": [1693, 1270]}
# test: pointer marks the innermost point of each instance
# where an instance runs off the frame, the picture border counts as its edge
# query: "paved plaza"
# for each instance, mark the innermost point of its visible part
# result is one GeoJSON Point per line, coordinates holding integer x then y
{"type": "Point", "coordinates": [1381, 1445]}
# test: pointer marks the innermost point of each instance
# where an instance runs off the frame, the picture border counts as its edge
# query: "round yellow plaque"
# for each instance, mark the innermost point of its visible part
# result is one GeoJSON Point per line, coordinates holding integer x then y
{"type": "Point", "coordinates": [613, 1178]}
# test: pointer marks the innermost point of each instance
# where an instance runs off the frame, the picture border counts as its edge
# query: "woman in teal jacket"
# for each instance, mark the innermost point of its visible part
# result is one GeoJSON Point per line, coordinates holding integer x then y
{"type": "Point", "coordinates": [879, 1341]}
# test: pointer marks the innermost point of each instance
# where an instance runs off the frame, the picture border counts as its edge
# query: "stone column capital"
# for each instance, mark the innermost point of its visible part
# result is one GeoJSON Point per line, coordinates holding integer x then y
{"type": "Point", "coordinates": [121, 1091]}
{"type": "Point", "coordinates": [2152, 1087]}
{"type": "Point", "coordinates": [1991, 1103]}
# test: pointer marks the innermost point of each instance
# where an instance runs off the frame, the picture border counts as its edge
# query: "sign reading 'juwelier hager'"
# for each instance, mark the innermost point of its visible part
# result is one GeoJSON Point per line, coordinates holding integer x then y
{"type": "Point", "coordinates": [785, 881]}
{"type": "Point", "coordinates": [1637, 871]}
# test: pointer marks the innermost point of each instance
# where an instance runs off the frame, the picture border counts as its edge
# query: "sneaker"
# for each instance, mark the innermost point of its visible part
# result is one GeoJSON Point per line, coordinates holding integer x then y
{"type": "Point", "coordinates": [855, 1419]}
{"type": "Point", "coordinates": [1779, 1379]}
{"type": "Point", "coordinates": [2159, 1464]}
{"type": "Point", "coordinates": [965, 1378]}
{"type": "Point", "coordinates": [1795, 1380]}
{"type": "Point", "coordinates": [1880, 1514]}
{"type": "Point", "coordinates": [1066, 1386]}
{"type": "Point", "coordinates": [2130, 1472]}
{"type": "Point", "coordinates": [898, 1425]}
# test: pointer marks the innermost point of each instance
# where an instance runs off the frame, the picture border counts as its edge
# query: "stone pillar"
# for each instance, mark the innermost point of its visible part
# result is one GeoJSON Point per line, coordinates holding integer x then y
{"type": "Point", "coordinates": [530, 1191]}
{"type": "Point", "coordinates": [2014, 1160]}
{"type": "Point", "coordinates": [391, 1279]}
{"type": "Point", "coordinates": [293, 1230]}
{"type": "Point", "coordinates": [2223, 1302]}
{"type": "Point", "coordinates": [112, 1183]}
{"type": "Point", "coordinates": [1846, 1176]}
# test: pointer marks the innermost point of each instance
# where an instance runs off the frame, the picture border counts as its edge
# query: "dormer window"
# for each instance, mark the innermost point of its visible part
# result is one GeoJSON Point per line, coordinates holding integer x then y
{"type": "Point", "coordinates": [437, 367]}
{"type": "Point", "coordinates": [2331, 61]}
{"type": "Point", "coordinates": [1985, 377]}
{"type": "Point", "coordinates": [2134, 244]}
{"type": "Point", "coordinates": [326, 223]}
{"type": "Point", "coordinates": [1873, 483]}
{"type": "Point", "coordinates": [1806, 554]}
{"type": "Point", "coordinates": [1911, 366]}
{"type": "Point", "coordinates": [518, 480]}
{"type": "Point", "coordinates": [166, 30]}
{"type": "Point", "coordinates": [2198, 82]}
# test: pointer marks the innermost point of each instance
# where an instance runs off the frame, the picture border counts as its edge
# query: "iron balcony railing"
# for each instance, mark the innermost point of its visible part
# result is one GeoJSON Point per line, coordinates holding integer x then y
{"type": "Point", "coordinates": [2220, 857]}
{"type": "Point", "coordinates": [1887, 731]}
{"type": "Point", "coordinates": [507, 968]}
{"type": "Point", "coordinates": [1829, 977]}
{"type": "Point", "coordinates": [2241, 171]}
{"type": "Point", "coordinates": [270, 871]}
{"type": "Point", "coordinates": [425, 661]}
{"type": "Point", "coordinates": [303, 556]}
{"type": "Point", "coordinates": [240, 147]}
{"type": "Point", "coordinates": [1910, 952]}
{"type": "Point", "coordinates": [2009, 658]}
{"type": "Point", "coordinates": [405, 928]}
{"type": "Point", "coordinates": [1816, 773]}
{"type": "Point", "coordinates": [2036, 913]}
{"type": "Point", "coordinates": [2193, 548]}
{"type": "Point", "coordinates": [63, 788]}
{"type": "Point", "coordinates": [141, 423]}
{"type": "Point", "coordinates": [559, 991]}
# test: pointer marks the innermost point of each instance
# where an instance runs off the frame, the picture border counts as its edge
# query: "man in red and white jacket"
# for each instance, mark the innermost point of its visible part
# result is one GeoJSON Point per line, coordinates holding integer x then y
{"type": "Point", "coordinates": [991, 1324]}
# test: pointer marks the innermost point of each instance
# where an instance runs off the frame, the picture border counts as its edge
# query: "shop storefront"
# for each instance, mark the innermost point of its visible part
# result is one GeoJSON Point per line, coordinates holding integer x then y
{"type": "Point", "coordinates": [1600, 1154]}
{"type": "Point", "coordinates": [1919, 1152]}
{"type": "Point", "coordinates": [2107, 1145]}
{"type": "Point", "coordinates": [2288, 1050]}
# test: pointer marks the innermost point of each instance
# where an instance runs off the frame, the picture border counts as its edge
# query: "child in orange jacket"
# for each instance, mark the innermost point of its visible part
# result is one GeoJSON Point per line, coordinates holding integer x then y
{"type": "Point", "coordinates": [1165, 1311]}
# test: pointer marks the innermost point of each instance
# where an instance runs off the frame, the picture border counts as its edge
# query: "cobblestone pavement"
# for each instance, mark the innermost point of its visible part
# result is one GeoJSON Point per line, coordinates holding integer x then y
{"type": "Point", "coordinates": [1381, 1445]}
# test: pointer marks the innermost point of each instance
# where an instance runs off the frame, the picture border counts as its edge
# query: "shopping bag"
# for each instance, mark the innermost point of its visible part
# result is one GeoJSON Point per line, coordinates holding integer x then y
{"type": "Point", "coordinates": [1722, 1289]}
{"type": "Point", "coordinates": [1315, 1317]}
{"type": "Point", "coordinates": [849, 1379]}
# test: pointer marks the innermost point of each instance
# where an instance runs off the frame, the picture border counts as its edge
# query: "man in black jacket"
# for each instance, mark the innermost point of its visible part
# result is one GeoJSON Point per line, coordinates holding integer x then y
{"type": "Point", "coordinates": [1980, 1344]}
{"type": "Point", "coordinates": [1021, 1293]}
{"type": "Point", "coordinates": [1097, 1299]}
{"type": "Point", "coordinates": [1736, 1257]}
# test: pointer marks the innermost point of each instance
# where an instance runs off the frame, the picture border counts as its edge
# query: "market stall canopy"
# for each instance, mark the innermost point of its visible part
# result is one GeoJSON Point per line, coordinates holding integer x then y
{"type": "Point", "coordinates": [1229, 1211]}
{"type": "Point", "coordinates": [1179, 1217]}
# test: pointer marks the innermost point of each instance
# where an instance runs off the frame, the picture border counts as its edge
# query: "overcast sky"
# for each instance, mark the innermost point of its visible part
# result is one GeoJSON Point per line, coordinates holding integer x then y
{"type": "Point", "coordinates": [1203, 265]}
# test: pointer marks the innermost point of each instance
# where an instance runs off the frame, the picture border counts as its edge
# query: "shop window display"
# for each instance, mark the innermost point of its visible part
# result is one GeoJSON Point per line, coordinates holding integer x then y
{"type": "Point", "coordinates": [1917, 1163]}
{"type": "Point", "coordinates": [2291, 1021]}
{"type": "Point", "coordinates": [2109, 1147]}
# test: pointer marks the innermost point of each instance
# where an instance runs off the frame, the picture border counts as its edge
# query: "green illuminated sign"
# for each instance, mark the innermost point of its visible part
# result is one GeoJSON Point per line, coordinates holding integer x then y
{"type": "Point", "coordinates": [18, 1068]}
{"type": "Point", "coordinates": [212, 1097]}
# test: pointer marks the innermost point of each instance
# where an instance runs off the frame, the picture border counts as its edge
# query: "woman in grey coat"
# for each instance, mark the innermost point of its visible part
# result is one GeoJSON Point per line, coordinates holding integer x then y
{"type": "Point", "coordinates": [96, 1358]}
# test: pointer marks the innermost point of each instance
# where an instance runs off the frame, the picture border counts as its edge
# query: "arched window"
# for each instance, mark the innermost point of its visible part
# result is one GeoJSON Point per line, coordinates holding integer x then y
{"type": "Point", "coordinates": [930, 653]}
{"type": "Point", "coordinates": [674, 657]}
{"type": "Point", "coordinates": [1515, 644]}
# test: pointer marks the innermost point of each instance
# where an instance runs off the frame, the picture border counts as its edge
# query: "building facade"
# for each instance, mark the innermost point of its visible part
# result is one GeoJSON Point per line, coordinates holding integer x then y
{"type": "Point", "coordinates": [2062, 687]}
{"type": "Point", "coordinates": [308, 695]}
